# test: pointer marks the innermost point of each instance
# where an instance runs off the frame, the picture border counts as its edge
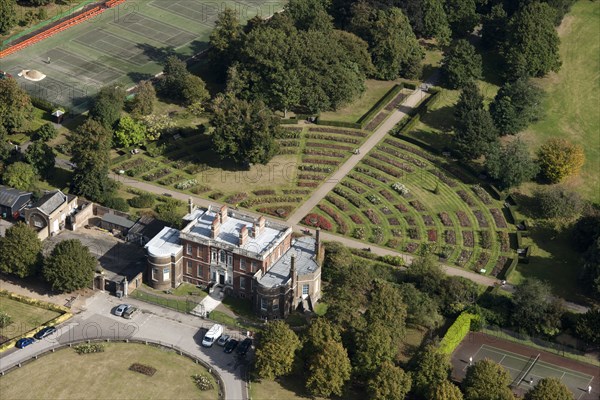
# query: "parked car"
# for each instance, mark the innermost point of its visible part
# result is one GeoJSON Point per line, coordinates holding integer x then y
{"type": "Point", "coordinates": [128, 314]}
{"type": "Point", "coordinates": [230, 346]}
{"type": "Point", "coordinates": [213, 334]}
{"type": "Point", "coordinates": [121, 309]}
{"type": "Point", "coordinates": [223, 340]}
{"type": "Point", "coordinates": [26, 341]}
{"type": "Point", "coordinates": [47, 331]}
{"type": "Point", "coordinates": [244, 347]}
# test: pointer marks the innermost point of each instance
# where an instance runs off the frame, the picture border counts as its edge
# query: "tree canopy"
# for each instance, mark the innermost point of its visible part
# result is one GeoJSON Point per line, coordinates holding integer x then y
{"type": "Point", "coordinates": [534, 311]}
{"type": "Point", "coordinates": [588, 326]}
{"type": "Point", "coordinates": [461, 64]}
{"type": "Point", "coordinates": [144, 100]}
{"type": "Point", "coordinates": [430, 368]}
{"type": "Point", "coordinates": [41, 157]}
{"type": "Point", "coordinates": [462, 16]}
{"type": "Point", "coordinates": [510, 164]}
{"type": "Point", "coordinates": [487, 380]}
{"type": "Point", "coordinates": [225, 41]}
{"type": "Point", "coordinates": [549, 388]}
{"type": "Point", "coordinates": [244, 131]}
{"type": "Point", "coordinates": [8, 16]}
{"type": "Point", "coordinates": [389, 383]}
{"type": "Point", "coordinates": [559, 158]}
{"type": "Point", "coordinates": [15, 105]}
{"type": "Point", "coordinates": [129, 132]}
{"type": "Point", "coordinates": [445, 390]}
{"type": "Point", "coordinates": [329, 370]}
{"type": "Point", "coordinates": [70, 266]}
{"type": "Point", "coordinates": [19, 175]}
{"type": "Point", "coordinates": [46, 132]}
{"type": "Point", "coordinates": [20, 251]}
{"type": "Point", "coordinates": [276, 350]}
{"type": "Point", "coordinates": [516, 105]}
{"type": "Point", "coordinates": [107, 106]}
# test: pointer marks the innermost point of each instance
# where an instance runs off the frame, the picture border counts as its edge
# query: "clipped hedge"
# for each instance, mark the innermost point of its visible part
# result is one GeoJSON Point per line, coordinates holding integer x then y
{"type": "Point", "coordinates": [456, 333]}
{"type": "Point", "coordinates": [505, 274]}
{"type": "Point", "coordinates": [496, 192]}
{"type": "Point", "coordinates": [377, 107]}
{"type": "Point", "coordinates": [410, 85]}
{"type": "Point", "coordinates": [341, 124]}
{"type": "Point", "coordinates": [289, 121]}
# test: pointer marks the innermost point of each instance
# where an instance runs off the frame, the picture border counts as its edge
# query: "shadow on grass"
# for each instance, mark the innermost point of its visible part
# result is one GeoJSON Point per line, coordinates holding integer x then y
{"type": "Point", "coordinates": [441, 118]}
{"type": "Point", "coordinates": [60, 178]}
{"type": "Point", "coordinates": [439, 141]}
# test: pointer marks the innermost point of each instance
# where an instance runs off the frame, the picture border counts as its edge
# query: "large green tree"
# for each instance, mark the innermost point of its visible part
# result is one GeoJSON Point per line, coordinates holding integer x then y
{"type": "Point", "coordinates": [461, 64]}
{"type": "Point", "coordinates": [559, 203]}
{"type": "Point", "coordinates": [20, 251]}
{"type": "Point", "coordinates": [493, 27]}
{"type": "Point", "coordinates": [386, 305]}
{"type": "Point", "coordinates": [534, 311]}
{"type": "Point", "coordinates": [144, 100]}
{"type": "Point", "coordinates": [244, 131]}
{"type": "Point", "coordinates": [588, 326]}
{"type": "Point", "coordinates": [15, 105]}
{"type": "Point", "coordinates": [421, 308]}
{"type": "Point", "coordinates": [389, 383]}
{"type": "Point", "coordinates": [8, 15]}
{"type": "Point", "coordinates": [90, 146]}
{"type": "Point", "coordinates": [487, 380]}
{"type": "Point", "coordinates": [462, 16]}
{"type": "Point", "coordinates": [532, 43]}
{"type": "Point", "coordinates": [41, 157]}
{"type": "Point", "coordinates": [511, 164]}
{"type": "Point", "coordinates": [430, 368]}
{"type": "Point", "coordinates": [129, 132]}
{"type": "Point", "coordinates": [276, 350]}
{"type": "Point", "coordinates": [107, 106]}
{"type": "Point", "coordinates": [310, 14]}
{"type": "Point", "coordinates": [435, 21]}
{"type": "Point", "coordinates": [320, 332]}
{"type": "Point", "coordinates": [445, 390]}
{"type": "Point", "coordinates": [549, 388]}
{"type": "Point", "coordinates": [5, 148]}
{"type": "Point", "coordinates": [46, 132]}
{"type": "Point", "coordinates": [225, 41]}
{"type": "Point", "coordinates": [559, 158]}
{"type": "Point", "coordinates": [516, 105]}
{"type": "Point", "coordinates": [70, 266]}
{"type": "Point", "coordinates": [19, 175]}
{"type": "Point", "coordinates": [374, 345]}
{"type": "Point", "coordinates": [329, 370]}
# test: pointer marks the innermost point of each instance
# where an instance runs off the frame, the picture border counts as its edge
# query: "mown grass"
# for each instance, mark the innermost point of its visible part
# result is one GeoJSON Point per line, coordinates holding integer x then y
{"type": "Point", "coordinates": [25, 317]}
{"type": "Point", "coordinates": [67, 375]}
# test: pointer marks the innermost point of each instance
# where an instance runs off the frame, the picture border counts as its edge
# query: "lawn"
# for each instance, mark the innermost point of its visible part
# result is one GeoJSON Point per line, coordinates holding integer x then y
{"type": "Point", "coordinates": [290, 388]}
{"type": "Point", "coordinates": [25, 317]}
{"type": "Point", "coordinates": [181, 304]}
{"type": "Point", "coordinates": [107, 375]}
{"type": "Point", "coordinates": [572, 98]}
{"type": "Point", "coordinates": [375, 90]}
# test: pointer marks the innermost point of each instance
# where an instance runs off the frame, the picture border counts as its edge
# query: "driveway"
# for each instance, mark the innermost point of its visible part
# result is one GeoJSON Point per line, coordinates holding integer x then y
{"type": "Point", "coordinates": [153, 323]}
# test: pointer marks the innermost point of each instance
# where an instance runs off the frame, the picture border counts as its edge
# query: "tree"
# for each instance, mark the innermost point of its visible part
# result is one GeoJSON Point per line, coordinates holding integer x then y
{"type": "Point", "coordinates": [487, 380]}
{"type": "Point", "coordinates": [374, 345]}
{"type": "Point", "coordinates": [445, 391]}
{"type": "Point", "coordinates": [461, 64]}
{"type": "Point", "coordinates": [462, 16]}
{"type": "Point", "coordinates": [170, 212]}
{"type": "Point", "coordinates": [456, 293]}
{"type": "Point", "coordinates": [8, 16]}
{"type": "Point", "coordinates": [144, 100]}
{"type": "Point", "coordinates": [276, 350]}
{"type": "Point", "coordinates": [15, 105]}
{"type": "Point", "coordinates": [19, 175]}
{"type": "Point", "coordinates": [244, 131]}
{"type": "Point", "coordinates": [533, 309]}
{"type": "Point", "coordinates": [516, 105]}
{"type": "Point", "coordinates": [320, 332]}
{"type": "Point", "coordinates": [225, 40]}
{"type": "Point", "coordinates": [511, 164]}
{"type": "Point", "coordinates": [329, 370]}
{"type": "Point", "coordinates": [549, 388]}
{"type": "Point", "coordinates": [430, 368]}
{"type": "Point", "coordinates": [559, 203]}
{"type": "Point", "coordinates": [130, 132]}
{"type": "Point", "coordinates": [194, 90]}
{"type": "Point", "coordinates": [41, 157]}
{"type": "Point", "coordinates": [591, 269]}
{"type": "Point", "coordinates": [532, 43]}
{"type": "Point", "coordinates": [493, 27]}
{"type": "Point", "coordinates": [46, 132]}
{"type": "Point", "coordinates": [435, 21]}
{"type": "Point", "coordinates": [588, 326]}
{"type": "Point", "coordinates": [70, 266]}
{"type": "Point", "coordinates": [20, 251]}
{"type": "Point", "coordinates": [421, 308]}
{"type": "Point", "coordinates": [4, 146]}
{"type": "Point", "coordinates": [559, 158]}
{"type": "Point", "coordinates": [90, 146]}
{"type": "Point", "coordinates": [107, 106]}
{"type": "Point", "coordinates": [178, 84]}
{"type": "Point", "coordinates": [338, 258]}
{"type": "Point", "coordinates": [309, 14]}
{"type": "Point", "coordinates": [426, 273]}
{"type": "Point", "coordinates": [474, 129]}
{"type": "Point", "coordinates": [390, 383]}
{"type": "Point", "coordinates": [387, 306]}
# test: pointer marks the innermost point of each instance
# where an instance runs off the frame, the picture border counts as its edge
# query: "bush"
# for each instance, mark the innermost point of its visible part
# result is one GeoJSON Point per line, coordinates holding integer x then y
{"type": "Point", "coordinates": [117, 203]}
{"type": "Point", "coordinates": [202, 382]}
{"type": "Point", "coordinates": [145, 200]}
{"type": "Point", "coordinates": [559, 158]}
{"type": "Point", "coordinates": [88, 348]}
{"type": "Point", "coordinates": [5, 319]}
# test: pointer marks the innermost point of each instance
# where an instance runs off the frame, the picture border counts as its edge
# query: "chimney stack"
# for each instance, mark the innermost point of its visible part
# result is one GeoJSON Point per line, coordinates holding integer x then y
{"type": "Point", "coordinates": [258, 226]}
{"type": "Point", "coordinates": [243, 235]}
{"type": "Point", "coordinates": [223, 214]}
{"type": "Point", "coordinates": [190, 205]}
{"type": "Point", "coordinates": [317, 241]}
{"type": "Point", "coordinates": [215, 228]}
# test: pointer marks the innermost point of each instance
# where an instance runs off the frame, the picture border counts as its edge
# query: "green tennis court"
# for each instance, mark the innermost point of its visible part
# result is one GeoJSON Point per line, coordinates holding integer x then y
{"type": "Point", "coordinates": [122, 46]}
{"type": "Point", "coordinates": [527, 371]}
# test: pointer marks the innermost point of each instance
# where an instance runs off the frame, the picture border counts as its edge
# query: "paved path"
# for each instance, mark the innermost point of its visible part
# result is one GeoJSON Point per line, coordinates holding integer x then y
{"type": "Point", "coordinates": [409, 103]}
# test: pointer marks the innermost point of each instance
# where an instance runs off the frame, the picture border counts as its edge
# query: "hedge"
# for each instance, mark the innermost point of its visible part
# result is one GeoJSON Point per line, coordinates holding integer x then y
{"type": "Point", "coordinates": [456, 333]}
{"type": "Point", "coordinates": [505, 274]}
{"type": "Point", "coordinates": [410, 85]}
{"type": "Point", "coordinates": [341, 124]}
{"type": "Point", "coordinates": [289, 121]}
{"type": "Point", "coordinates": [497, 193]}
{"type": "Point", "coordinates": [389, 96]}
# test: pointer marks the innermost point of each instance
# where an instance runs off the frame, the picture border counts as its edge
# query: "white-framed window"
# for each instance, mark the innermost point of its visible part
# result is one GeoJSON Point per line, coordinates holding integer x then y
{"type": "Point", "coordinates": [276, 305]}
{"type": "Point", "coordinates": [263, 304]}
{"type": "Point", "coordinates": [242, 264]}
{"type": "Point", "coordinates": [188, 249]}
{"type": "Point", "coordinates": [242, 282]}
{"type": "Point", "coordinates": [229, 260]}
{"type": "Point", "coordinates": [154, 274]}
{"type": "Point", "coordinates": [253, 266]}
{"type": "Point", "coordinates": [190, 267]}
{"type": "Point", "coordinates": [38, 224]}
{"type": "Point", "coordinates": [213, 256]}
{"type": "Point", "coordinates": [222, 256]}
{"type": "Point", "coordinates": [305, 289]}
{"type": "Point", "coordinates": [166, 274]}
{"type": "Point", "coordinates": [199, 271]}
{"type": "Point", "coordinates": [199, 252]}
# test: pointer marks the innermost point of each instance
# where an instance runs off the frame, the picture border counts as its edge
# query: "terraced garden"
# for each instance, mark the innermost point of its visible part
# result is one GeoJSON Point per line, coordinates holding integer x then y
{"type": "Point", "coordinates": [407, 199]}
{"type": "Point", "coordinates": [307, 156]}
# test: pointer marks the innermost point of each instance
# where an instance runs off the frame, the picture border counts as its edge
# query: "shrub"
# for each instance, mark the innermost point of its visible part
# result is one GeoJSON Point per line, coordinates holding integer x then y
{"type": "Point", "coordinates": [185, 185]}
{"type": "Point", "coordinates": [88, 348]}
{"type": "Point", "coordinates": [117, 203]}
{"type": "Point", "coordinates": [400, 188]}
{"type": "Point", "coordinates": [5, 319]}
{"type": "Point", "coordinates": [559, 158]}
{"type": "Point", "coordinates": [202, 382]}
{"type": "Point", "coordinates": [145, 200]}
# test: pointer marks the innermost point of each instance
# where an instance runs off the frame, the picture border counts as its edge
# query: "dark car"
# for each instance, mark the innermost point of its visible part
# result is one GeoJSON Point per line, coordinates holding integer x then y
{"type": "Point", "coordinates": [244, 347]}
{"type": "Point", "coordinates": [230, 345]}
{"type": "Point", "coordinates": [129, 312]}
{"type": "Point", "coordinates": [26, 341]}
{"type": "Point", "coordinates": [49, 330]}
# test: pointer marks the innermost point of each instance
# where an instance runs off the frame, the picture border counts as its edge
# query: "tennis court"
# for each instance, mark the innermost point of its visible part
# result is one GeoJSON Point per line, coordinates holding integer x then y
{"type": "Point", "coordinates": [122, 46]}
{"type": "Point", "coordinates": [527, 371]}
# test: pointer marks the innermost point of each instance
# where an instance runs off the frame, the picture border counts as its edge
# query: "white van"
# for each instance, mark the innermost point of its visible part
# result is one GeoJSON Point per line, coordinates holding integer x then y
{"type": "Point", "coordinates": [213, 334]}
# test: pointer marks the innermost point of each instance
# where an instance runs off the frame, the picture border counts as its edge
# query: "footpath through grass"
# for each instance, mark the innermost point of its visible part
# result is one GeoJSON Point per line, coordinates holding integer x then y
{"type": "Point", "coordinates": [67, 375]}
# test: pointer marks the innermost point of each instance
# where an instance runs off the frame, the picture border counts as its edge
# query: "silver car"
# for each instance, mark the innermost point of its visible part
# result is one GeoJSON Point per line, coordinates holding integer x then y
{"type": "Point", "coordinates": [121, 309]}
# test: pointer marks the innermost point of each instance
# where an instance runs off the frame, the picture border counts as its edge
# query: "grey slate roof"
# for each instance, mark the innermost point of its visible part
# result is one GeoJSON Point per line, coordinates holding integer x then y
{"type": "Point", "coordinates": [304, 250]}
{"type": "Point", "coordinates": [49, 202]}
{"type": "Point", "coordinates": [117, 220]}
{"type": "Point", "coordinates": [9, 196]}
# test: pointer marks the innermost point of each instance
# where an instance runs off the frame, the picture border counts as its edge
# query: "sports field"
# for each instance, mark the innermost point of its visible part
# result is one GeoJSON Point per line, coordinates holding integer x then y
{"type": "Point", "coordinates": [122, 46]}
{"type": "Point", "coordinates": [526, 365]}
